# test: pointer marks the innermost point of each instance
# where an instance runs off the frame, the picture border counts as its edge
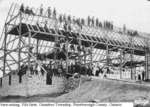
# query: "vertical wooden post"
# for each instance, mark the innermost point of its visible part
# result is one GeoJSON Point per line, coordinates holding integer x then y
{"type": "Point", "coordinates": [131, 57]}
{"type": "Point", "coordinates": [1, 82]}
{"type": "Point", "coordinates": [37, 50]}
{"type": "Point", "coordinates": [80, 44]}
{"type": "Point", "coordinates": [107, 51]}
{"type": "Point", "coordinates": [91, 54]}
{"type": "Point", "coordinates": [107, 55]}
{"type": "Point", "coordinates": [19, 44]}
{"type": "Point", "coordinates": [29, 63]}
{"type": "Point", "coordinates": [122, 59]}
{"type": "Point", "coordinates": [132, 71]}
{"type": "Point", "coordinates": [37, 47]}
{"type": "Point", "coordinates": [84, 57]}
{"type": "Point", "coordinates": [56, 41]}
{"type": "Point", "coordinates": [147, 60]}
{"type": "Point", "coordinates": [5, 50]}
{"type": "Point", "coordinates": [146, 66]}
{"type": "Point", "coordinates": [10, 79]}
{"type": "Point", "coordinates": [120, 64]}
{"type": "Point", "coordinates": [29, 56]}
{"type": "Point", "coordinates": [67, 59]}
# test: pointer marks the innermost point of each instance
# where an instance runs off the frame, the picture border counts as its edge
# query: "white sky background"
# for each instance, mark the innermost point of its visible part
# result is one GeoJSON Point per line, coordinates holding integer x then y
{"type": "Point", "coordinates": [134, 13]}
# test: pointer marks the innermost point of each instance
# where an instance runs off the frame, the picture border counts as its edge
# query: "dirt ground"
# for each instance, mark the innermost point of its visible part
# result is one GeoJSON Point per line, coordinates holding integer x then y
{"type": "Point", "coordinates": [101, 90]}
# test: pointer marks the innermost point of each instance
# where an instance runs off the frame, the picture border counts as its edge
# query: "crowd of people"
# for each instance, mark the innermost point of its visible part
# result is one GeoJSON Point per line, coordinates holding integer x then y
{"type": "Point", "coordinates": [140, 75]}
{"type": "Point", "coordinates": [56, 69]}
{"type": "Point", "coordinates": [59, 69]}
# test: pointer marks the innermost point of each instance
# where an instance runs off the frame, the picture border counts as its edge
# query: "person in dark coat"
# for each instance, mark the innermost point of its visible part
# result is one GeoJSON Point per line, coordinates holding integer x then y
{"type": "Point", "coordinates": [72, 48]}
{"type": "Point", "coordinates": [45, 26]}
{"type": "Point", "coordinates": [64, 48]}
{"type": "Point", "coordinates": [22, 71]}
{"type": "Point", "coordinates": [82, 69]}
{"type": "Point", "coordinates": [54, 13]}
{"type": "Point", "coordinates": [27, 11]}
{"type": "Point", "coordinates": [22, 8]}
{"type": "Point", "coordinates": [49, 12]}
{"type": "Point", "coordinates": [60, 18]}
{"type": "Point", "coordinates": [69, 28]}
{"type": "Point", "coordinates": [97, 72]}
{"type": "Point", "coordinates": [89, 21]}
{"type": "Point", "coordinates": [31, 12]}
{"type": "Point", "coordinates": [108, 70]}
{"type": "Point", "coordinates": [49, 77]}
{"type": "Point", "coordinates": [143, 75]}
{"type": "Point", "coordinates": [100, 24]}
{"type": "Point", "coordinates": [31, 70]}
{"type": "Point", "coordinates": [71, 68]}
{"type": "Point", "coordinates": [89, 71]}
{"type": "Point", "coordinates": [139, 75]}
{"type": "Point", "coordinates": [65, 26]}
{"type": "Point", "coordinates": [77, 68]}
{"type": "Point", "coordinates": [1, 82]}
{"type": "Point", "coordinates": [41, 10]}
{"type": "Point", "coordinates": [79, 48]}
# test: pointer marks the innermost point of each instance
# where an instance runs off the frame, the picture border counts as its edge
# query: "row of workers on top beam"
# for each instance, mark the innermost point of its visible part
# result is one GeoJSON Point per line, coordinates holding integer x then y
{"type": "Point", "coordinates": [91, 21]}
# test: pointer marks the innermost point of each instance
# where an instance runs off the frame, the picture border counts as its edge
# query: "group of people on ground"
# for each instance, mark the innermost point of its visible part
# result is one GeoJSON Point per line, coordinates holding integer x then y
{"type": "Point", "coordinates": [140, 75]}
{"type": "Point", "coordinates": [52, 69]}
{"type": "Point", "coordinates": [59, 69]}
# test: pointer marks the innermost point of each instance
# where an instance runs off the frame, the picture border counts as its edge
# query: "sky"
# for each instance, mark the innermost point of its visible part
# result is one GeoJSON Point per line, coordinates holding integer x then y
{"type": "Point", "coordinates": [134, 13]}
